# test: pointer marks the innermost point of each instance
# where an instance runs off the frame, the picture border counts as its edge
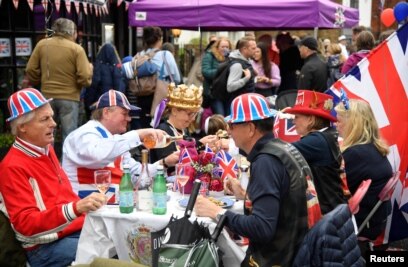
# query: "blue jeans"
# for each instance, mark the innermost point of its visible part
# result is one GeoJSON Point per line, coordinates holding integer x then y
{"type": "Point", "coordinates": [66, 114]}
{"type": "Point", "coordinates": [58, 253]}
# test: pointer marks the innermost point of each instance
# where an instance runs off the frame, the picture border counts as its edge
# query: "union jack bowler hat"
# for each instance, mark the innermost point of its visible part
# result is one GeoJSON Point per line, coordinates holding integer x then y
{"type": "Point", "coordinates": [114, 98]}
{"type": "Point", "coordinates": [25, 101]}
{"type": "Point", "coordinates": [249, 107]}
{"type": "Point", "coordinates": [313, 103]}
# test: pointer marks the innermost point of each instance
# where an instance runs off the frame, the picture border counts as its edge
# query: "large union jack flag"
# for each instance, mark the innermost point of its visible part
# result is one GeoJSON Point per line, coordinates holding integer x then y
{"type": "Point", "coordinates": [382, 80]}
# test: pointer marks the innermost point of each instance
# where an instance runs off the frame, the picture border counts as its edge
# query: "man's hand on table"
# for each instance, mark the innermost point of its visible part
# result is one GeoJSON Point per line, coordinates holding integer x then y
{"type": "Point", "coordinates": [91, 203]}
{"type": "Point", "coordinates": [206, 208]}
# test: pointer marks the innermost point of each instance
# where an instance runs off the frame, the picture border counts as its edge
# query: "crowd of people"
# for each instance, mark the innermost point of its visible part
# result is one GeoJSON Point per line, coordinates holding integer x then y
{"type": "Point", "coordinates": [57, 195]}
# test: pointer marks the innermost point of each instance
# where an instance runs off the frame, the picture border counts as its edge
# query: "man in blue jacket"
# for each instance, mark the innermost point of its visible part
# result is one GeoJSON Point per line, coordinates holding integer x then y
{"type": "Point", "coordinates": [275, 219]}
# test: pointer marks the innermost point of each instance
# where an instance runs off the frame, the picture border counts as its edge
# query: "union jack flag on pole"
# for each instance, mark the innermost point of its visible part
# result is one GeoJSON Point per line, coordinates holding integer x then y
{"type": "Point", "coordinates": [185, 157]}
{"type": "Point", "coordinates": [381, 79]}
{"type": "Point", "coordinates": [227, 166]}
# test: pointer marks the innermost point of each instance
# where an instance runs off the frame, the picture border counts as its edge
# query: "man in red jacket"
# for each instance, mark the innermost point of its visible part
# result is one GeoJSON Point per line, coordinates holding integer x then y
{"type": "Point", "coordinates": [46, 215]}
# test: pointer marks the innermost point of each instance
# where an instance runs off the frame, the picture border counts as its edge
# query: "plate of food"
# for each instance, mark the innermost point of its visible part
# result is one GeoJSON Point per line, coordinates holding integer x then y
{"type": "Point", "coordinates": [223, 202]}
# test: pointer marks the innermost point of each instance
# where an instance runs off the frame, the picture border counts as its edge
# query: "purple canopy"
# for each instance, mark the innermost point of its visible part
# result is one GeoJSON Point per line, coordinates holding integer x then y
{"type": "Point", "coordinates": [241, 14]}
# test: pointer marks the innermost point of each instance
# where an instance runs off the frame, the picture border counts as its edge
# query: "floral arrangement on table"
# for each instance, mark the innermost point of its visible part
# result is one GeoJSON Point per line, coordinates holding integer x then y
{"type": "Point", "coordinates": [207, 171]}
{"type": "Point", "coordinates": [208, 166]}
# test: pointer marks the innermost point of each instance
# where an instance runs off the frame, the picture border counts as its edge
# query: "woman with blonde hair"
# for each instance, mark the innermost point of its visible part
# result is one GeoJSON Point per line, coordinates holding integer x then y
{"type": "Point", "coordinates": [365, 156]}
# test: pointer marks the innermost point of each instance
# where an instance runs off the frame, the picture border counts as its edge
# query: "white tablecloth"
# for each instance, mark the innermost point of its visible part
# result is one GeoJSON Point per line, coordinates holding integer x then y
{"type": "Point", "coordinates": [107, 232]}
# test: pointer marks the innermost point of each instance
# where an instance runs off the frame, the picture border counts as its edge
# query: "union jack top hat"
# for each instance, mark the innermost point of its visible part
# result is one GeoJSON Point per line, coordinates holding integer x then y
{"type": "Point", "coordinates": [249, 107]}
{"type": "Point", "coordinates": [25, 101]}
{"type": "Point", "coordinates": [313, 103]}
{"type": "Point", "coordinates": [114, 98]}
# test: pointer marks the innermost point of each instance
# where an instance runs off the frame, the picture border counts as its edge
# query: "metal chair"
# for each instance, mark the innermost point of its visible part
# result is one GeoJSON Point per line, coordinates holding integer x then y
{"type": "Point", "coordinates": [384, 195]}
{"type": "Point", "coordinates": [355, 200]}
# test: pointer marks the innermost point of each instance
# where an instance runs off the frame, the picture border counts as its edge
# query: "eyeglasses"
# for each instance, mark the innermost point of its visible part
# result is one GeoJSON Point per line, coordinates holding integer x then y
{"type": "Point", "coordinates": [232, 125]}
{"type": "Point", "coordinates": [189, 113]}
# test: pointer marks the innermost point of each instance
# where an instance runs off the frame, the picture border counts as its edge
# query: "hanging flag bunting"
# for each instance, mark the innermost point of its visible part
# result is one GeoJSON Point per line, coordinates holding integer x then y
{"type": "Point", "coordinates": [57, 5]}
{"type": "Point", "coordinates": [76, 4]}
{"type": "Point", "coordinates": [85, 6]}
{"type": "Point", "coordinates": [119, 2]}
{"type": "Point", "coordinates": [105, 6]}
{"type": "Point", "coordinates": [15, 2]}
{"type": "Point", "coordinates": [101, 11]}
{"type": "Point", "coordinates": [68, 6]}
{"type": "Point", "coordinates": [45, 2]}
{"type": "Point", "coordinates": [97, 11]}
{"type": "Point", "coordinates": [30, 4]}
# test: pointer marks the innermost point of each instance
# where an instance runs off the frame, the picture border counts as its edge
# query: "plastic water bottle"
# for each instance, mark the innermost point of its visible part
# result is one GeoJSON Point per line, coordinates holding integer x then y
{"type": "Point", "coordinates": [159, 193]}
{"type": "Point", "coordinates": [126, 200]}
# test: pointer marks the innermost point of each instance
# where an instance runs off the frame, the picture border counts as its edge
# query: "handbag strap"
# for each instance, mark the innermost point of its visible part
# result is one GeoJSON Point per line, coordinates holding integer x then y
{"type": "Point", "coordinates": [167, 67]}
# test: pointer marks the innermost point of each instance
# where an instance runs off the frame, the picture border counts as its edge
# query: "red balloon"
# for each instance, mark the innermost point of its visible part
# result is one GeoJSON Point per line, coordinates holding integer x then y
{"type": "Point", "coordinates": [387, 17]}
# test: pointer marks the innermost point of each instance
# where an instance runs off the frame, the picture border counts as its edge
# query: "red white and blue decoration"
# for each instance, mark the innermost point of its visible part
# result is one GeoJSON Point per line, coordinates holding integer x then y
{"type": "Point", "coordinates": [381, 79]}
{"type": "Point", "coordinates": [249, 107]}
{"type": "Point", "coordinates": [114, 98]}
{"type": "Point", "coordinates": [227, 166]}
{"type": "Point", "coordinates": [25, 101]}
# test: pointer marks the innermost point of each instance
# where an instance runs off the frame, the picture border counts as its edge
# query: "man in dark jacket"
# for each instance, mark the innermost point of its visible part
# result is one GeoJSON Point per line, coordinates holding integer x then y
{"type": "Point", "coordinates": [275, 219]}
{"type": "Point", "coordinates": [313, 75]}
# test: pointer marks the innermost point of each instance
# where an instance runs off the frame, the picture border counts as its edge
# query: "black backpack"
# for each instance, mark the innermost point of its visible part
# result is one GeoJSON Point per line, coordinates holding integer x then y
{"type": "Point", "coordinates": [219, 84]}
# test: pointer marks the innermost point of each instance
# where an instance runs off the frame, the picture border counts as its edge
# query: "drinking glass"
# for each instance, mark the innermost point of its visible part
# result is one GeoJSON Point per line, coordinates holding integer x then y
{"type": "Point", "coordinates": [182, 175]}
{"type": "Point", "coordinates": [102, 180]}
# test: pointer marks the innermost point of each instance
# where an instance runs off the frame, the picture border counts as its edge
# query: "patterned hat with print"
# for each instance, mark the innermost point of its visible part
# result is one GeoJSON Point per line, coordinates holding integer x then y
{"type": "Point", "coordinates": [114, 98]}
{"type": "Point", "coordinates": [249, 107]}
{"type": "Point", "coordinates": [313, 103]}
{"type": "Point", "coordinates": [25, 101]}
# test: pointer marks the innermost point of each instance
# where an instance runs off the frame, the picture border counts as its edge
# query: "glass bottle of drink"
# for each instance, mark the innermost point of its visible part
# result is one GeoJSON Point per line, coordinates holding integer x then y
{"type": "Point", "coordinates": [149, 142]}
{"type": "Point", "coordinates": [144, 185]}
{"type": "Point", "coordinates": [159, 192]}
{"type": "Point", "coordinates": [126, 201]}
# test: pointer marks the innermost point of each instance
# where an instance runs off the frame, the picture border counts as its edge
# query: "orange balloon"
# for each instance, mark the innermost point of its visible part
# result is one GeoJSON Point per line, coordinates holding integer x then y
{"type": "Point", "coordinates": [387, 17]}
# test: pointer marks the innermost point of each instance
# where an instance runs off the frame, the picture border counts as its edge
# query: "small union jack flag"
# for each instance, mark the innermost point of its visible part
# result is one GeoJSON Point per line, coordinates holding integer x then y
{"type": "Point", "coordinates": [23, 46]}
{"type": "Point", "coordinates": [4, 47]}
{"type": "Point", "coordinates": [227, 166]}
{"type": "Point", "coordinates": [185, 156]}
{"type": "Point", "coordinates": [208, 151]}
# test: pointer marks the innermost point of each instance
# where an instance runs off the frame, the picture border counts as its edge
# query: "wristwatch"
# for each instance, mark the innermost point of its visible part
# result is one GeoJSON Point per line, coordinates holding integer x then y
{"type": "Point", "coordinates": [219, 215]}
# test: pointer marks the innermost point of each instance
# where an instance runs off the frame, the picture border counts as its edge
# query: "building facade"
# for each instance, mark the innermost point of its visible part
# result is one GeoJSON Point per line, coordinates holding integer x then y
{"type": "Point", "coordinates": [23, 23]}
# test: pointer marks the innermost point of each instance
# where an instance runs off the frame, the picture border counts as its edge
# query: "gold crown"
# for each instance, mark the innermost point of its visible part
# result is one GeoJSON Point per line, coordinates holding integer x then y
{"type": "Point", "coordinates": [185, 97]}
